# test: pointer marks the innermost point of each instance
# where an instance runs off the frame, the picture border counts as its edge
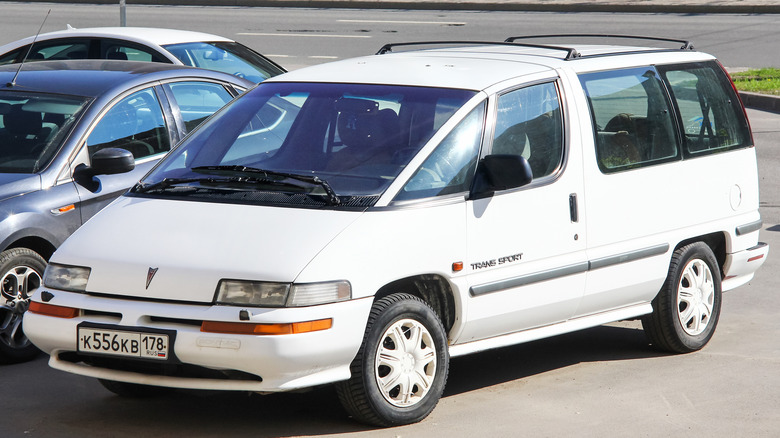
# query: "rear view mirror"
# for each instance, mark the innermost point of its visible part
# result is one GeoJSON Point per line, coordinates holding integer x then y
{"type": "Point", "coordinates": [108, 161]}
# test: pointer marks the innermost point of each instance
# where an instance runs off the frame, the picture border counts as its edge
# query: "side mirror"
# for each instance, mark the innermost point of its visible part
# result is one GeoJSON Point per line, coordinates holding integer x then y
{"type": "Point", "coordinates": [501, 172]}
{"type": "Point", "coordinates": [111, 161]}
{"type": "Point", "coordinates": [108, 161]}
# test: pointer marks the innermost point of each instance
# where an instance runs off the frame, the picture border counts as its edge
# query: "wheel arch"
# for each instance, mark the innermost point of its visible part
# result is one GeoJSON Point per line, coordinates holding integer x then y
{"type": "Point", "coordinates": [38, 244]}
{"type": "Point", "coordinates": [717, 243]}
{"type": "Point", "coordinates": [434, 289]}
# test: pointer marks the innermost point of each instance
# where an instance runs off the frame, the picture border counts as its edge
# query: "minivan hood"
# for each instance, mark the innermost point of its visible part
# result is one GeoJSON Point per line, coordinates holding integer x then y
{"type": "Point", "coordinates": [192, 245]}
{"type": "Point", "coordinates": [14, 184]}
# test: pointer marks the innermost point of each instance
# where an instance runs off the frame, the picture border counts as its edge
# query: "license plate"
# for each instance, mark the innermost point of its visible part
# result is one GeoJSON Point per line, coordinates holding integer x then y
{"type": "Point", "coordinates": [123, 343]}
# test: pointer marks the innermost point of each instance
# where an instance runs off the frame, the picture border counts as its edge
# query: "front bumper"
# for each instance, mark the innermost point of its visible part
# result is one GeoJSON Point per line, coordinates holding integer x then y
{"type": "Point", "coordinates": [263, 362]}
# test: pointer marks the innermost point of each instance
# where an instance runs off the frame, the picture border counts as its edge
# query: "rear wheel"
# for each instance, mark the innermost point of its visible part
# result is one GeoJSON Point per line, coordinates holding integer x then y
{"type": "Point", "coordinates": [21, 270]}
{"type": "Point", "coordinates": [686, 310]}
{"type": "Point", "coordinates": [401, 368]}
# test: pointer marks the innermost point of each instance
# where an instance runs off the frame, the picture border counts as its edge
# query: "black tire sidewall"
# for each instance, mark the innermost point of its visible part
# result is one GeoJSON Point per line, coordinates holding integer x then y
{"type": "Point", "coordinates": [8, 259]}
{"type": "Point", "coordinates": [408, 308]}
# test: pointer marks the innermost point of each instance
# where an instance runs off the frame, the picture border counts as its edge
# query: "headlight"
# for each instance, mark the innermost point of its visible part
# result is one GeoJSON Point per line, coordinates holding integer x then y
{"type": "Point", "coordinates": [63, 277]}
{"type": "Point", "coordinates": [252, 293]}
{"type": "Point", "coordinates": [262, 294]}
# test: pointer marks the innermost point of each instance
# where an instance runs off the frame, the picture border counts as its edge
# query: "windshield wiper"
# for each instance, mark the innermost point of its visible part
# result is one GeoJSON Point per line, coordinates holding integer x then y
{"type": "Point", "coordinates": [168, 182]}
{"type": "Point", "coordinates": [332, 197]}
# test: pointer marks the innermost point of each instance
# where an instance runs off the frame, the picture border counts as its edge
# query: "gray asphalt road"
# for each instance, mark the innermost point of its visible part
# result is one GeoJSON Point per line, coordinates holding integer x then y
{"type": "Point", "coordinates": [300, 37]}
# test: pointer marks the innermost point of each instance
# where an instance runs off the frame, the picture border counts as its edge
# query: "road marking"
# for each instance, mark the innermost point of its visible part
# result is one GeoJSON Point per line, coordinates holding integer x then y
{"type": "Point", "coordinates": [324, 57]}
{"type": "Point", "coordinates": [315, 35]}
{"type": "Point", "coordinates": [446, 23]}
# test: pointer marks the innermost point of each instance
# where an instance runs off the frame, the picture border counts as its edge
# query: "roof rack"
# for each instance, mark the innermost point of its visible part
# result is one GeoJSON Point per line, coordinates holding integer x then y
{"type": "Point", "coordinates": [686, 45]}
{"type": "Point", "coordinates": [570, 53]}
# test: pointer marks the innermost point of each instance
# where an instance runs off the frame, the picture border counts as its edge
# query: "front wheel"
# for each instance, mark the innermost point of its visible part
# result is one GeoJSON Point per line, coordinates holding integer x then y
{"type": "Point", "coordinates": [21, 270]}
{"type": "Point", "coordinates": [686, 310]}
{"type": "Point", "coordinates": [401, 368]}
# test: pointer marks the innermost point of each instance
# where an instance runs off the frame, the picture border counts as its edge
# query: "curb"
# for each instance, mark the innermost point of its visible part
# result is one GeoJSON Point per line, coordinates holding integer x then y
{"type": "Point", "coordinates": [763, 102]}
{"type": "Point", "coordinates": [698, 6]}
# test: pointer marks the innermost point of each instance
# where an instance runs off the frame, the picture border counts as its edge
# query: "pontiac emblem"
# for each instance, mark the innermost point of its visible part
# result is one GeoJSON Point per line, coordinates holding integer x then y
{"type": "Point", "coordinates": [150, 276]}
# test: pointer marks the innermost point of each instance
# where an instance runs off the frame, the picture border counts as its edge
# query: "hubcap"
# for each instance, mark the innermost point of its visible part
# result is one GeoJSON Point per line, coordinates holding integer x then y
{"type": "Point", "coordinates": [695, 297]}
{"type": "Point", "coordinates": [405, 363]}
{"type": "Point", "coordinates": [16, 285]}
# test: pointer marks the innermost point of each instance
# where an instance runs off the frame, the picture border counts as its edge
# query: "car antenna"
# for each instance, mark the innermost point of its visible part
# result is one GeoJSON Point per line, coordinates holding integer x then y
{"type": "Point", "coordinates": [29, 49]}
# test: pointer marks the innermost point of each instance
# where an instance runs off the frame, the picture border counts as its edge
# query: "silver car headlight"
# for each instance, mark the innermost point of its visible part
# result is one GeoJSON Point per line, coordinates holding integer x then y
{"type": "Point", "coordinates": [64, 277]}
{"type": "Point", "coordinates": [266, 294]}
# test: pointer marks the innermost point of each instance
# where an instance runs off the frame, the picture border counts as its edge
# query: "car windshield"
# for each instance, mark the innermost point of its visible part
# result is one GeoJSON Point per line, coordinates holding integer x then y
{"type": "Point", "coordinates": [33, 127]}
{"type": "Point", "coordinates": [333, 141]}
{"type": "Point", "coordinates": [227, 57]}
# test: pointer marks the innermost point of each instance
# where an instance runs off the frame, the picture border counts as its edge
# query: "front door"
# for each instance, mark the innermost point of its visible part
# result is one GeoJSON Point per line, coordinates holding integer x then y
{"type": "Point", "coordinates": [526, 247]}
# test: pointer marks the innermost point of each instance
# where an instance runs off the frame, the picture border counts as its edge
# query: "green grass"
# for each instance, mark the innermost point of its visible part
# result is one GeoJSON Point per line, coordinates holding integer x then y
{"type": "Point", "coordinates": [763, 80]}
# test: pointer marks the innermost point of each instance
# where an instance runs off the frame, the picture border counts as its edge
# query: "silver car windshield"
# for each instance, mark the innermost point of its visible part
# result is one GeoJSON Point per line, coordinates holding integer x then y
{"type": "Point", "coordinates": [227, 57]}
{"type": "Point", "coordinates": [33, 127]}
{"type": "Point", "coordinates": [292, 137]}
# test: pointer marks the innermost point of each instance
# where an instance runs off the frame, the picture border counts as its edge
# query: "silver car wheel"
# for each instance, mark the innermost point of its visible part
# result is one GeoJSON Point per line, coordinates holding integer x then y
{"type": "Point", "coordinates": [17, 283]}
{"type": "Point", "coordinates": [405, 363]}
{"type": "Point", "coordinates": [695, 297]}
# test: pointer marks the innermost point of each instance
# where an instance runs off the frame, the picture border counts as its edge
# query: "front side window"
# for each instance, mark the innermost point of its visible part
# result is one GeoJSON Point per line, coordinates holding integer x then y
{"type": "Point", "coordinates": [312, 139]}
{"type": "Point", "coordinates": [711, 115]}
{"type": "Point", "coordinates": [135, 123]}
{"type": "Point", "coordinates": [451, 166]}
{"type": "Point", "coordinates": [632, 118]}
{"type": "Point", "coordinates": [198, 100]}
{"type": "Point", "coordinates": [528, 123]}
{"type": "Point", "coordinates": [227, 57]}
{"type": "Point", "coordinates": [33, 127]}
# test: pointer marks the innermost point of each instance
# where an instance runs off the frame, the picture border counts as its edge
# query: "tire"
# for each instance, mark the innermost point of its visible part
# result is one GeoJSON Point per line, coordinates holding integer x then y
{"type": "Point", "coordinates": [21, 271]}
{"type": "Point", "coordinates": [133, 390]}
{"type": "Point", "coordinates": [686, 310]}
{"type": "Point", "coordinates": [392, 386]}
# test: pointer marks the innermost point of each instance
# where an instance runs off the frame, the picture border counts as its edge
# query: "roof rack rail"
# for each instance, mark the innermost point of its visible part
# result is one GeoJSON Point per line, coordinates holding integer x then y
{"type": "Point", "coordinates": [686, 45]}
{"type": "Point", "coordinates": [570, 53]}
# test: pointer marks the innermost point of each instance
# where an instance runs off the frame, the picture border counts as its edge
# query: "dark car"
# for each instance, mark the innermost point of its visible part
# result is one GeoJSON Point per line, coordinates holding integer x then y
{"type": "Point", "coordinates": [74, 135]}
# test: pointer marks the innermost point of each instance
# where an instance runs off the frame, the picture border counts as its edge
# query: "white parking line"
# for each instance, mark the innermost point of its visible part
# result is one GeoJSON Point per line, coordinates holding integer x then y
{"type": "Point", "coordinates": [447, 23]}
{"type": "Point", "coordinates": [313, 35]}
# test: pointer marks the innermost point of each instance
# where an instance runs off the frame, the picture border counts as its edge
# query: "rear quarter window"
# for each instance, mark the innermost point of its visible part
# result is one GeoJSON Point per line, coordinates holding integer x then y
{"type": "Point", "coordinates": [710, 113]}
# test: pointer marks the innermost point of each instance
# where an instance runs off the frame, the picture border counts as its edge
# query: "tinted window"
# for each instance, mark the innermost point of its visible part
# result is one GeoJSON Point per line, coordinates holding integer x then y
{"type": "Point", "coordinates": [59, 50]}
{"type": "Point", "coordinates": [632, 118]}
{"type": "Point", "coordinates": [121, 50]}
{"type": "Point", "coordinates": [232, 58]}
{"type": "Point", "coordinates": [136, 124]}
{"type": "Point", "coordinates": [356, 137]}
{"type": "Point", "coordinates": [33, 127]}
{"type": "Point", "coordinates": [450, 168]}
{"type": "Point", "coordinates": [529, 123]}
{"type": "Point", "coordinates": [198, 100]}
{"type": "Point", "coordinates": [711, 115]}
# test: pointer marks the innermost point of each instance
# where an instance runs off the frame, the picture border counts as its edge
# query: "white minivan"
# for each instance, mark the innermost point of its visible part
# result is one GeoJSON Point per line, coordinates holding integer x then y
{"type": "Point", "coordinates": [360, 222]}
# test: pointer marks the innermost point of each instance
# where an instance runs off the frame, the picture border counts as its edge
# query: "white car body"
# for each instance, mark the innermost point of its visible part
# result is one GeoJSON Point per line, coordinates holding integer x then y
{"type": "Point", "coordinates": [574, 249]}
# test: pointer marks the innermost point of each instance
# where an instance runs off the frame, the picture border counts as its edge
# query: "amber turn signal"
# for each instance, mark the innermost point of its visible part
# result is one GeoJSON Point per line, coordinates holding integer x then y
{"type": "Point", "coordinates": [52, 310]}
{"type": "Point", "coordinates": [242, 328]}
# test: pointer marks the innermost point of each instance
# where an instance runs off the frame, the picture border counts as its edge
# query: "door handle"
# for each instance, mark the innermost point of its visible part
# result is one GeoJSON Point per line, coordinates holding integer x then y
{"type": "Point", "coordinates": [573, 213]}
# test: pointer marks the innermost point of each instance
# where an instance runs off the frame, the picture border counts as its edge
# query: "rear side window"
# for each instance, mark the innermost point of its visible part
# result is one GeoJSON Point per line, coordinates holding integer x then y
{"type": "Point", "coordinates": [632, 118]}
{"type": "Point", "coordinates": [711, 115]}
